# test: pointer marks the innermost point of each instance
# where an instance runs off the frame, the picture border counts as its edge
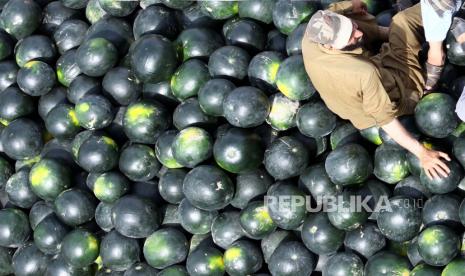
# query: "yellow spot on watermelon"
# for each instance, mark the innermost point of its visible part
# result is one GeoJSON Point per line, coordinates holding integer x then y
{"type": "Point", "coordinates": [216, 263]}
{"type": "Point", "coordinates": [30, 64]}
{"type": "Point", "coordinates": [99, 262]}
{"type": "Point", "coordinates": [429, 236]}
{"type": "Point", "coordinates": [107, 140]}
{"type": "Point", "coordinates": [92, 243]}
{"type": "Point", "coordinates": [60, 76]}
{"type": "Point", "coordinates": [137, 112]}
{"type": "Point", "coordinates": [262, 215]}
{"type": "Point", "coordinates": [38, 174]}
{"type": "Point", "coordinates": [32, 160]}
{"type": "Point", "coordinates": [73, 118]}
{"type": "Point", "coordinates": [82, 107]}
{"type": "Point", "coordinates": [284, 89]}
{"type": "Point", "coordinates": [192, 133]}
{"type": "Point", "coordinates": [100, 186]}
{"type": "Point", "coordinates": [4, 122]}
{"type": "Point", "coordinates": [273, 70]}
{"type": "Point", "coordinates": [232, 253]}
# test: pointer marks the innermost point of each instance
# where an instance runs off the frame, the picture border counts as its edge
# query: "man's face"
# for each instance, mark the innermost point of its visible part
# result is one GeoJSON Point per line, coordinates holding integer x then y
{"type": "Point", "coordinates": [356, 36]}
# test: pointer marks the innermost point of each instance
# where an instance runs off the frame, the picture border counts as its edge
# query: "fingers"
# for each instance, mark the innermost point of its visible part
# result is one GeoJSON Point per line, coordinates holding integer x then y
{"type": "Point", "coordinates": [433, 173]}
{"type": "Point", "coordinates": [428, 174]}
{"type": "Point", "coordinates": [444, 155]}
{"type": "Point", "coordinates": [438, 169]}
{"type": "Point", "coordinates": [443, 166]}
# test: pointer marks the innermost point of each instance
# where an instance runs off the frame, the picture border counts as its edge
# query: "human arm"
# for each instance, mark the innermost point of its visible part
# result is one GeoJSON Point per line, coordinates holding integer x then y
{"type": "Point", "coordinates": [430, 160]}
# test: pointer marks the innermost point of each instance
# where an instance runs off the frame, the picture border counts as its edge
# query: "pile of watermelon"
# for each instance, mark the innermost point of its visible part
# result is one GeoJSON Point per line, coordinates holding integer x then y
{"type": "Point", "coordinates": [163, 137]}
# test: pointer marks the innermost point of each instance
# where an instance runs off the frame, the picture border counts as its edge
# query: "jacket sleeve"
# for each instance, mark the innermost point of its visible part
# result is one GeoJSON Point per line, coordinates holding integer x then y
{"type": "Point", "coordinates": [343, 7]}
{"type": "Point", "coordinates": [375, 100]}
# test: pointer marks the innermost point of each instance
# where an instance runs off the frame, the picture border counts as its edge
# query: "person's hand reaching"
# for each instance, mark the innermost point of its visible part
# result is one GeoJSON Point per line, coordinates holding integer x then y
{"type": "Point", "coordinates": [432, 163]}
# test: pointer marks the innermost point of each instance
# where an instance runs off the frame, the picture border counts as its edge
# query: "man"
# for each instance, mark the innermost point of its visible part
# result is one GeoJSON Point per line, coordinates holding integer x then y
{"type": "Point", "coordinates": [370, 91]}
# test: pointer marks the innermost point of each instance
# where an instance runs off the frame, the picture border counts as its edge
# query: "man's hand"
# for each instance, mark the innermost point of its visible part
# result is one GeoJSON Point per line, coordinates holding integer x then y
{"type": "Point", "coordinates": [432, 163]}
{"type": "Point", "coordinates": [359, 7]}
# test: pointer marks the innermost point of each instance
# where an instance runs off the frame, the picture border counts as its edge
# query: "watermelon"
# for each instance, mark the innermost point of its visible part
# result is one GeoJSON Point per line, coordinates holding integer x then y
{"type": "Point", "coordinates": [263, 69]}
{"type": "Point", "coordinates": [67, 68]}
{"type": "Point", "coordinates": [15, 104]}
{"type": "Point", "coordinates": [20, 18]}
{"type": "Point", "coordinates": [195, 220]}
{"type": "Point", "coordinates": [118, 9]}
{"type": "Point", "coordinates": [8, 73]}
{"type": "Point", "coordinates": [455, 50]}
{"type": "Point", "coordinates": [189, 113]}
{"type": "Point", "coordinates": [411, 187]}
{"type": "Point", "coordinates": [49, 234]}
{"type": "Point", "coordinates": [270, 242]}
{"type": "Point", "coordinates": [441, 209]}
{"type": "Point", "coordinates": [38, 212]}
{"type": "Point", "coordinates": [170, 185]}
{"type": "Point", "coordinates": [317, 182]}
{"type": "Point", "coordinates": [315, 120]}
{"type": "Point", "coordinates": [256, 9]}
{"type": "Point", "coordinates": [205, 260]}
{"type": "Point", "coordinates": [372, 134]}
{"type": "Point", "coordinates": [242, 258]}
{"type": "Point", "coordinates": [390, 164]}
{"type": "Point", "coordinates": [74, 206]}
{"type": "Point", "coordinates": [208, 188]}
{"type": "Point", "coordinates": [98, 154]}
{"type": "Point", "coordinates": [435, 115]}
{"type": "Point", "coordinates": [35, 47]}
{"type": "Point", "coordinates": [82, 86]}
{"type": "Point", "coordinates": [5, 261]}
{"type": "Point", "coordinates": [22, 139]}
{"type": "Point", "coordinates": [286, 216]}
{"type": "Point", "coordinates": [226, 229]}
{"type": "Point", "coordinates": [49, 178]}
{"type": "Point", "coordinates": [6, 45]}
{"type": "Point", "coordinates": [5, 171]}
{"type": "Point", "coordinates": [287, 15]}
{"type": "Point", "coordinates": [48, 101]}
{"type": "Point", "coordinates": [218, 9]}
{"type": "Point", "coordinates": [366, 240]}
{"type": "Point", "coordinates": [80, 248]}
{"type": "Point", "coordinates": [123, 214]}
{"type": "Point", "coordinates": [455, 267]}
{"type": "Point", "coordinates": [291, 258]}
{"type": "Point", "coordinates": [163, 149]}
{"type": "Point", "coordinates": [103, 216]}
{"type": "Point", "coordinates": [459, 150]}
{"type": "Point", "coordinates": [344, 133]}
{"type": "Point", "coordinates": [292, 79]}
{"type": "Point", "coordinates": [256, 221]}
{"type": "Point", "coordinates": [443, 185]}
{"type": "Point", "coordinates": [250, 113]}
{"type": "Point", "coordinates": [348, 164]}
{"type": "Point", "coordinates": [94, 112]}
{"type": "Point", "coordinates": [69, 34]}
{"type": "Point", "coordinates": [118, 253]}
{"type": "Point", "coordinates": [161, 92]}
{"type": "Point", "coordinates": [155, 20]}
{"type": "Point", "coordinates": [193, 17]}
{"type": "Point", "coordinates": [276, 41]}
{"type": "Point", "coordinates": [29, 260]}
{"type": "Point", "coordinates": [121, 85]}
{"type": "Point", "coordinates": [386, 263]}
{"type": "Point", "coordinates": [19, 190]}
{"type": "Point", "coordinates": [96, 56]}
{"type": "Point", "coordinates": [58, 266]}
{"type": "Point", "coordinates": [140, 269]}
{"type": "Point", "coordinates": [198, 43]}
{"type": "Point", "coordinates": [36, 78]}
{"type": "Point", "coordinates": [319, 235]}
{"type": "Point", "coordinates": [438, 245]}
{"type": "Point", "coordinates": [346, 216]}
{"type": "Point", "coordinates": [229, 62]}
{"type": "Point", "coordinates": [283, 112]}
{"type": "Point", "coordinates": [401, 219]}
{"type": "Point", "coordinates": [286, 157]}
{"type": "Point", "coordinates": [189, 78]}
{"type": "Point", "coordinates": [15, 228]}
{"type": "Point", "coordinates": [244, 33]}
{"type": "Point", "coordinates": [344, 264]}
{"type": "Point", "coordinates": [62, 122]}
{"type": "Point", "coordinates": [212, 94]}
{"type": "Point", "coordinates": [165, 247]}
{"type": "Point", "coordinates": [294, 40]}
{"type": "Point", "coordinates": [192, 146]}
{"type": "Point", "coordinates": [250, 185]}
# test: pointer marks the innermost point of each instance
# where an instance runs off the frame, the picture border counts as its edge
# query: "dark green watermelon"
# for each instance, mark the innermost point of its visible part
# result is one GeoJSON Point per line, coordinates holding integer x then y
{"type": "Point", "coordinates": [218, 9]}
{"type": "Point", "coordinates": [292, 258]}
{"type": "Point", "coordinates": [344, 133]}
{"type": "Point", "coordinates": [229, 62]}
{"type": "Point", "coordinates": [257, 9]}
{"type": "Point", "coordinates": [455, 50]}
{"type": "Point", "coordinates": [212, 94]}
{"type": "Point", "coordinates": [61, 122]}
{"type": "Point", "coordinates": [20, 18]}
{"type": "Point", "coordinates": [67, 68]}
{"type": "Point", "coordinates": [94, 12]}
{"type": "Point", "coordinates": [256, 221]}
{"type": "Point", "coordinates": [19, 190]}
{"type": "Point", "coordinates": [14, 226]}
{"type": "Point", "coordinates": [390, 164]}
{"type": "Point", "coordinates": [145, 120]}
{"type": "Point", "coordinates": [205, 260]}
{"type": "Point", "coordinates": [238, 150]}
{"type": "Point", "coordinates": [8, 73]}
{"type": "Point", "coordinates": [122, 86]}
{"type": "Point", "coordinates": [58, 266]}
{"type": "Point", "coordinates": [159, 56]}
{"type": "Point", "coordinates": [170, 185]}
{"type": "Point", "coordinates": [15, 104]}
{"type": "Point", "coordinates": [250, 185]}
{"type": "Point", "coordinates": [70, 34]}
{"type": "Point", "coordinates": [443, 185]}
{"type": "Point", "coordinates": [138, 162]}
{"type": "Point", "coordinates": [75, 207]}
{"type": "Point", "coordinates": [459, 150]}
{"type": "Point", "coordinates": [286, 215]}
{"type": "Point", "coordinates": [98, 154]}
{"type": "Point", "coordinates": [244, 33]}
{"type": "Point", "coordinates": [189, 78]}
{"type": "Point", "coordinates": [287, 15]}
{"type": "Point", "coordinates": [163, 149]}
{"type": "Point", "coordinates": [411, 187]}
{"type": "Point", "coordinates": [346, 216]}
{"type": "Point", "coordinates": [141, 269]}
{"type": "Point", "coordinates": [455, 267]}
{"type": "Point", "coordinates": [315, 120]}
{"type": "Point", "coordinates": [54, 14]}
{"type": "Point", "coordinates": [38, 212]}
{"type": "Point", "coordinates": [35, 47]}
{"type": "Point", "coordinates": [372, 135]}
{"type": "Point", "coordinates": [276, 41]}
{"type": "Point", "coordinates": [189, 113]}
{"type": "Point", "coordinates": [198, 43]}
{"type": "Point", "coordinates": [286, 157]}
{"type": "Point", "coordinates": [118, 9]}
{"type": "Point", "coordinates": [344, 263]}
{"type": "Point", "coordinates": [118, 253]}
{"type": "Point", "coordinates": [365, 240]}
{"type": "Point", "coordinates": [426, 270]}
{"type": "Point", "coordinates": [441, 209]}
{"type": "Point", "coordinates": [270, 242]}
{"type": "Point", "coordinates": [319, 235]}
{"type": "Point", "coordinates": [49, 178]}
{"type": "Point", "coordinates": [82, 86]}
{"type": "Point", "coordinates": [5, 261]}
{"type": "Point", "coordinates": [263, 69]}
{"type": "Point", "coordinates": [94, 112]}
{"type": "Point", "coordinates": [161, 92]}
{"type": "Point", "coordinates": [80, 248]}
{"type": "Point", "coordinates": [22, 139]}
{"type": "Point", "coordinates": [129, 207]}
{"type": "Point", "coordinates": [316, 181]}
{"type": "Point", "coordinates": [103, 216]}
{"type": "Point", "coordinates": [29, 260]}
{"type": "Point", "coordinates": [49, 234]}
{"type": "Point", "coordinates": [96, 56]}
{"type": "Point", "coordinates": [165, 247]}
{"type": "Point", "coordinates": [5, 171]}
{"type": "Point", "coordinates": [208, 188]}
{"type": "Point", "coordinates": [117, 31]}
{"type": "Point", "coordinates": [192, 146]}
{"type": "Point", "coordinates": [386, 263]}
{"type": "Point", "coordinates": [438, 245]}
{"type": "Point", "coordinates": [242, 258]}
{"type": "Point", "coordinates": [435, 115]}
{"type": "Point", "coordinates": [193, 17]}
{"type": "Point", "coordinates": [226, 229]}
{"type": "Point", "coordinates": [48, 101]}
{"type": "Point", "coordinates": [195, 220]}
{"type": "Point", "coordinates": [377, 193]}
{"type": "Point", "coordinates": [175, 270]}
{"type": "Point", "coordinates": [155, 19]}
{"type": "Point", "coordinates": [292, 79]}
{"type": "Point", "coordinates": [6, 45]}
{"type": "Point", "coordinates": [36, 78]}
{"type": "Point", "coordinates": [400, 219]}
{"type": "Point", "coordinates": [348, 164]}
{"type": "Point", "coordinates": [250, 113]}
{"type": "Point", "coordinates": [294, 40]}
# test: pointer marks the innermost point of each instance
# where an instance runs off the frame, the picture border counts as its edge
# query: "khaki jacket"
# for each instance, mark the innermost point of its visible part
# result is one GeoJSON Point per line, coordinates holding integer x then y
{"type": "Point", "coordinates": [357, 86]}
